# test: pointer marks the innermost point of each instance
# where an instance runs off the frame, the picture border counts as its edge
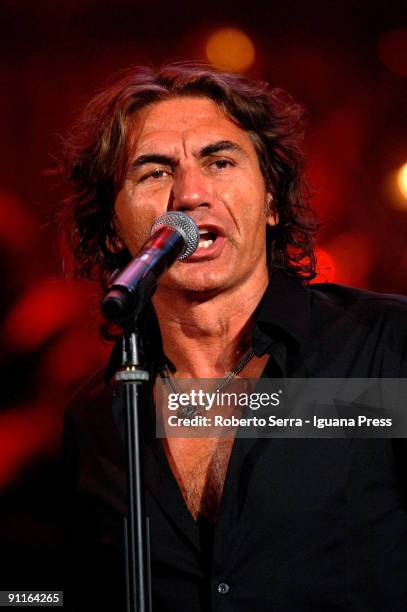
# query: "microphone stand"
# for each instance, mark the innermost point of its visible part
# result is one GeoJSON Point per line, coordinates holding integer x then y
{"type": "Point", "coordinates": [136, 527]}
{"type": "Point", "coordinates": [174, 235]}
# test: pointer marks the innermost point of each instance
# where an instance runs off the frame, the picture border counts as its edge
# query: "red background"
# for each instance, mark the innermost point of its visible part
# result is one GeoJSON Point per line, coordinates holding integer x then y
{"type": "Point", "coordinates": [342, 60]}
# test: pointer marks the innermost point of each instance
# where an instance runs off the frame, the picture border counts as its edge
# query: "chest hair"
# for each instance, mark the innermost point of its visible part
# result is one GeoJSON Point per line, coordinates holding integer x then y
{"type": "Point", "coordinates": [200, 464]}
{"type": "Point", "coordinates": [200, 467]}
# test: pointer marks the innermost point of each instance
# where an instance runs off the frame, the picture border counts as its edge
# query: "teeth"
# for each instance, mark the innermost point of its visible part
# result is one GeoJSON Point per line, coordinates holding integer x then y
{"type": "Point", "coordinates": [205, 243]}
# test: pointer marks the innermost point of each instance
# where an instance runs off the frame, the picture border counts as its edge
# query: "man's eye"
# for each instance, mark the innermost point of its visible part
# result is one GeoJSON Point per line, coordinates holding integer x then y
{"type": "Point", "coordinates": [155, 174]}
{"type": "Point", "coordinates": [220, 164]}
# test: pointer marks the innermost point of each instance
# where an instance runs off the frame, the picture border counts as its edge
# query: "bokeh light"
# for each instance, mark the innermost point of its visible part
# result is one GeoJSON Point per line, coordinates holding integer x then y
{"type": "Point", "coordinates": [402, 181]}
{"type": "Point", "coordinates": [395, 187]}
{"type": "Point", "coordinates": [393, 51]}
{"type": "Point", "coordinates": [230, 49]}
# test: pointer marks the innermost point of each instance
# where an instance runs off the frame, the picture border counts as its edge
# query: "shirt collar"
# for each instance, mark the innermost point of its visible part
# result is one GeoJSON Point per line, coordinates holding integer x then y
{"type": "Point", "coordinates": [283, 313]}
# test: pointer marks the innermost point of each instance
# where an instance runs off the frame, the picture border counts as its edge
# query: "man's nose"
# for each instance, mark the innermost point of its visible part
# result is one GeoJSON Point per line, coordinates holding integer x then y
{"type": "Point", "coordinates": [190, 189]}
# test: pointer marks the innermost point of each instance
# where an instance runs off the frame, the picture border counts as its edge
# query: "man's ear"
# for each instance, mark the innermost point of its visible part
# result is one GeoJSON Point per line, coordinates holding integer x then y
{"type": "Point", "coordinates": [272, 215]}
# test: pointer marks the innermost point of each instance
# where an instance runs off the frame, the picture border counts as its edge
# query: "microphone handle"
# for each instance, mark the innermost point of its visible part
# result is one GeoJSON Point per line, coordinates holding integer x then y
{"type": "Point", "coordinates": [136, 284]}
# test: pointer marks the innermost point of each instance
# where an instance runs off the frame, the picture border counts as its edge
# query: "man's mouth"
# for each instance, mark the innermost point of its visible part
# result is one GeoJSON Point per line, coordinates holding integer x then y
{"type": "Point", "coordinates": [206, 238]}
{"type": "Point", "coordinates": [211, 241]}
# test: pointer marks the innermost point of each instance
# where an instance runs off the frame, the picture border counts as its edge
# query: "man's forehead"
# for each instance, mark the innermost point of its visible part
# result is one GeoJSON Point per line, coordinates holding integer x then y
{"type": "Point", "coordinates": [170, 122]}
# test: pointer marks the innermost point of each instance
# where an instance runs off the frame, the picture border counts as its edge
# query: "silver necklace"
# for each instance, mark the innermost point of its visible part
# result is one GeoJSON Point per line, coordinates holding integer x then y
{"type": "Point", "coordinates": [191, 411]}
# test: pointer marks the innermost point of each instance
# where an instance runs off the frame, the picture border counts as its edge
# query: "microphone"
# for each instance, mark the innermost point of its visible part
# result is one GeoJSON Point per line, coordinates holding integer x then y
{"type": "Point", "coordinates": [174, 236]}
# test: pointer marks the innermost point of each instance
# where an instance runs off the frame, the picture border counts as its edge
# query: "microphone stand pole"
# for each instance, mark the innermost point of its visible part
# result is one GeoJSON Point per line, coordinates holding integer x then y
{"type": "Point", "coordinates": [174, 235]}
{"type": "Point", "coordinates": [136, 528]}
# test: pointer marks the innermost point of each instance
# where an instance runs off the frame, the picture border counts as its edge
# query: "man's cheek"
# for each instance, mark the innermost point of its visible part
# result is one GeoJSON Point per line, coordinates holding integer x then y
{"type": "Point", "coordinates": [132, 228]}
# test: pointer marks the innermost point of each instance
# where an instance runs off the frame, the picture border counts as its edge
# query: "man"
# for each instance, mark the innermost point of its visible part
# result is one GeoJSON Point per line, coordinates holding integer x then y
{"type": "Point", "coordinates": [242, 524]}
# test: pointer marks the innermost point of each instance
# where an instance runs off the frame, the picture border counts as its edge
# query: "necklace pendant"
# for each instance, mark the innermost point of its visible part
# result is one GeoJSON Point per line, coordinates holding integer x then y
{"type": "Point", "coordinates": [188, 412]}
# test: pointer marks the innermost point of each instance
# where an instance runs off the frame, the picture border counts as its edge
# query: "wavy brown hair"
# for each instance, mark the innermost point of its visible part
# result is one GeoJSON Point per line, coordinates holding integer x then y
{"type": "Point", "coordinates": [96, 156]}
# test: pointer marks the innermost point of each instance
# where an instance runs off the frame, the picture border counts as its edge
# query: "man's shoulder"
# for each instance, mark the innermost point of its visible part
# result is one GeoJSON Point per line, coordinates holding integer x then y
{"type": "Point", "coordinates": [358, 333]}
{"type": "Point", "coordinates": [367, 307]}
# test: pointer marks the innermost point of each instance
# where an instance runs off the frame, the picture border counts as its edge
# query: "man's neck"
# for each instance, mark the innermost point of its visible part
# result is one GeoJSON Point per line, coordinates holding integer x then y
{"type": "Point", "coordinates": [207, 338]}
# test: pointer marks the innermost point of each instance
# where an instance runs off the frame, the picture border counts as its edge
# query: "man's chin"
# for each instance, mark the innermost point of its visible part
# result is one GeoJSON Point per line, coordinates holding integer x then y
{"type": "Point", "coordinates": [196, 289]}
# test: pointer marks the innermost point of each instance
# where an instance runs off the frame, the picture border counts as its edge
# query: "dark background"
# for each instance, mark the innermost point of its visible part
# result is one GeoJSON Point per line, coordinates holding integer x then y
{"type": "Point", "coordinates": [345, 61]}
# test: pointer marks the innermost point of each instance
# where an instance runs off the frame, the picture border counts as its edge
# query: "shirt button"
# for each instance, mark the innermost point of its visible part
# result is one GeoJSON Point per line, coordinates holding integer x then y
{"type": "Point", "coordinates": [223, 588]}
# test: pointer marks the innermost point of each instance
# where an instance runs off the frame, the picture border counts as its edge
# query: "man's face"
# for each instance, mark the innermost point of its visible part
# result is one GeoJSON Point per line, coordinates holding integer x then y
{"type": "Point", "coordinates": [186, 155]}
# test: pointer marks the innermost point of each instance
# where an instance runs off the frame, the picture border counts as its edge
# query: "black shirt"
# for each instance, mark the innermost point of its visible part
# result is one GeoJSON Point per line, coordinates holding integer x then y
{"type": "Point", "coordinates": [304, 524]}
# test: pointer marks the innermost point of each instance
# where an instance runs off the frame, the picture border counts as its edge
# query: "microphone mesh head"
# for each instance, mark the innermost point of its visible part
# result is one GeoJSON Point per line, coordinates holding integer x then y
{"type": "Point", "coordinates": [184, 225]}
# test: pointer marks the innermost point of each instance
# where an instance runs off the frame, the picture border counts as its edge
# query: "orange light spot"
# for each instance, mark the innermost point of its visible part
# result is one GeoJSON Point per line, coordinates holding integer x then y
{"type": "Point", "coordinates": [395, 187]}
{"type": "Point", "coordinates": [230, 49]}
{"type": "Point", "coordinates": [402, 180]}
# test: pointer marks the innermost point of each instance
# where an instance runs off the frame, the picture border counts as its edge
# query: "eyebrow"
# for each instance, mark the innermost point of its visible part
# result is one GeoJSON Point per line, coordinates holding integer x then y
{"type": "Point", "coordinates": [221, 145]}
{"type": "Point", "coordinates": [153, 158]}
{"type": "Point", "coordinates": [167, 160]}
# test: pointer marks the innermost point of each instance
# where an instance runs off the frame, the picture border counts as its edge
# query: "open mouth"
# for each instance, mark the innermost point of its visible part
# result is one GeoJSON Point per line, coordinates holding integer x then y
{"type": "Point", "coordinates": [211, 243]}
{"type": "Point", "coordinates": [206, 238]}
